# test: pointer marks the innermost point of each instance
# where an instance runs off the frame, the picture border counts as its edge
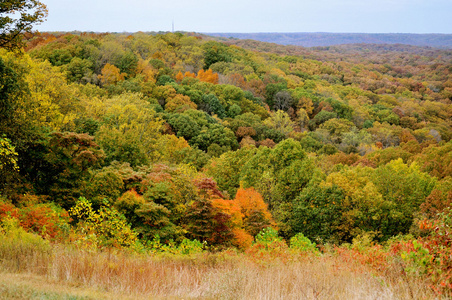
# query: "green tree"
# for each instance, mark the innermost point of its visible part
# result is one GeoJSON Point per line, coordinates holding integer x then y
{"type": "Point", "coordinates": [215, 52]}
{"type": "Point", "coordinates": [407, 188]}
{"type": "Point", "coordinates": [11, 88]}
{"type": "Point", "coordinates": [36, 94]}
{"type": "Point", "coordinates": [146, 217]}
{"type": "Point", "coordinates": [226, 168]}
{"type": "Point", "coordinates": [212, 105]}
{"type": "Point", "coordinates": [104, 185]}
{"type": "Point", "coordinates": [184, 125]}
{"type": "Point", "coordinates": [282, 100]}
{"type": "Point", "coordinates": [215, 134]}
{"type": "Point", "coordinates": [321, 118]}
{"type": "Point", "coordinates": [66, 163]}
{"type": "Point", "coordinates": [280, 121]}
{"type": "Point", "coordinates": [337, 127]}
{"type": "Point", "coordinates": [271, 90]}
{"type": "Point", "coordinates": [311, 143]}
{"type": "Point", "coordinates": [205, 222]}
{"type": "Point", "coordinates": [128, 63]}
{"type": "Point", "coordinates": [279, 174]}
{"type": "Point", "coordinates": [316, 213]}
{"type": "Point", "coordinates": [79, 70]}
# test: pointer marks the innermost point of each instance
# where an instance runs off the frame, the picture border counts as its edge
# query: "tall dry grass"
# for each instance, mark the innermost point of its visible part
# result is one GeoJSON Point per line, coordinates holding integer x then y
{"type": "Point", "coordinates": [224, 275]}
{"type": "Point", "coordinates": [21, 251]}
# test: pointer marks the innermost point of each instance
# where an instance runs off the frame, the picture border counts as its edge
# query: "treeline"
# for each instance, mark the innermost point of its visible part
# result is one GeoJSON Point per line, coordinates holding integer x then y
{"type": "Point", "coordinates": [175, 137]}
{"type": "Point", "coordinates": [315, 39]}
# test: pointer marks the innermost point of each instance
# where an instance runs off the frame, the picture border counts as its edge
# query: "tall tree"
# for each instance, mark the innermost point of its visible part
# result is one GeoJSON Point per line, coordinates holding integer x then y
{"type": "Point", "coordinates": [18, 17]}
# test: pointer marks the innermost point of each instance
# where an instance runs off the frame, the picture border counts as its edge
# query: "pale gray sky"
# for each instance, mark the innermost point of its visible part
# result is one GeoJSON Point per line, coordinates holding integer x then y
{"type": "Point", "coordinates": [369, 16]}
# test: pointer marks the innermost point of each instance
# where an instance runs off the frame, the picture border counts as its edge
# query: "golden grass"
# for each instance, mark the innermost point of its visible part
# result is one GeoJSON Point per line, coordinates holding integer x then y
{"type": "Point", "coordinates": [212, 276]}
{"type": "Point", "coordinates": [28, 286]}
{"type": "Point", "coordinates": [224, 275]}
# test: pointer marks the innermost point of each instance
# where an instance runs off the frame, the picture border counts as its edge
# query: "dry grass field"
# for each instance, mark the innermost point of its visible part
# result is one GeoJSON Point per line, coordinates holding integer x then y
{"type": "Point", "coordinates": [63, 273]}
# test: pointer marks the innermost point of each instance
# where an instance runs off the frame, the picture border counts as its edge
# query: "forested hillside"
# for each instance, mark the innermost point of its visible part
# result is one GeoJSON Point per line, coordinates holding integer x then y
{"type": "Point", "coordinates": [315, 39]}
{"type": "Point", "coordinates": [150, 141]}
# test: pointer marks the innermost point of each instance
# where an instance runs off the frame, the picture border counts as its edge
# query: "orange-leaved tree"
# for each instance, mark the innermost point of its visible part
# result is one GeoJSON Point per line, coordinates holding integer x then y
{"type": "Point", "coordinates": [208, 76]}
{"type": "Point", "coordinates": [181, 76]}
{"type": "Point", "coordinates": [111, 74]}
{"type": "Point", "coordinates": [247, 215]}
{"type": "Point", "coordinates": [254, 210]}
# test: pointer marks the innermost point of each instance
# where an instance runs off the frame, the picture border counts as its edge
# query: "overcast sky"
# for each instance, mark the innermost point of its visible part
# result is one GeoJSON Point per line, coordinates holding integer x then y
{"type": "Point", "coordinates": [369, 16]}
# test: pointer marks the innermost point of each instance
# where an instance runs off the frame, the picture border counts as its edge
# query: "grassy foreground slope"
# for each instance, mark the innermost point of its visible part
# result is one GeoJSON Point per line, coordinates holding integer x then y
{"type": "Point", "coordinates": [34, 271]}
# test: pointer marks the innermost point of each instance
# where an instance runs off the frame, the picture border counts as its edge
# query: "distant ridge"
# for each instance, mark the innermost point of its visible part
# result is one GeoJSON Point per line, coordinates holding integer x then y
{"type": "Point", "coordinates": [314, 39]}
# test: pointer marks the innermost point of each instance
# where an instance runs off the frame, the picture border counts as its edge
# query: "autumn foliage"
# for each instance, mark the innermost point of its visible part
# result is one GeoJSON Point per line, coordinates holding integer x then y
{"type": "Point", "coordinates": [204, 76]}
{"type": "Point", "coordinates": [207, 76]}
{"type": "Point", "coordinates": [45, 220]}
{"type": "Point", "coordinates": [176, 141]}
{"type": "Point", "coordinates": [247, 215]}
{"type": "Point", "coordinates": [110, 75]}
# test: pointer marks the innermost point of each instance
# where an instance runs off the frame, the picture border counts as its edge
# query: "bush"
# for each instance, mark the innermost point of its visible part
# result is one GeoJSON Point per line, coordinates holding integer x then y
{"type": "Point", "coordinates": [186, 247]}
{"type": "Point", "coordinates": [267, 236]}
{"type": "Point", "coordinates": [301, 243]}
{"type": "Point", "coordinates": [108, 227]}
{"type": "Point", "coordinates": [47, 220]}
{"type": "Point", "coordinates": [268, 248]}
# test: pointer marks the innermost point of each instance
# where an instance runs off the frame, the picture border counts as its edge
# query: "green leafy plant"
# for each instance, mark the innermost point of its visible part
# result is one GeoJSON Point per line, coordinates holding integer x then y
{"type": "Point", "coordinates": [186, 247]}
{"type": "Point", "coordinates": [300, 243]}
{"type": "Point", "coordinates": [267, 236]}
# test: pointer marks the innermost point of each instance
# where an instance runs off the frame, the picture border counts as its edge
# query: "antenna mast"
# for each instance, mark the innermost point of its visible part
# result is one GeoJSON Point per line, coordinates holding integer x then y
{"type": "Point", "coordinates": [173, 26]}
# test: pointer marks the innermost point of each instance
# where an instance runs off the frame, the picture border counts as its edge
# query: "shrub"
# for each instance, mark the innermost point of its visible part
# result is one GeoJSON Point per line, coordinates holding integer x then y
{"type": "Point", "coordinates": [186, 247]}
{"type": "Point", "coordinates": [267, 236]}
{"type": "Point", "coordinates": [268, 248]}
{"type": "Point", "coordinates": [302, 244]}
{"type": "Point", "coordinates": [46, 220]}
{"type": "Point", "coordinates": [108, 226]}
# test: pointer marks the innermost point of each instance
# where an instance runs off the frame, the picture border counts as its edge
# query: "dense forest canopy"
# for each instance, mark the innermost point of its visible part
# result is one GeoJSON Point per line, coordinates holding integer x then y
{"type": "Point", "coordinates": [118, 147]}
{"type": "Point", "coordinates": [181, 136]}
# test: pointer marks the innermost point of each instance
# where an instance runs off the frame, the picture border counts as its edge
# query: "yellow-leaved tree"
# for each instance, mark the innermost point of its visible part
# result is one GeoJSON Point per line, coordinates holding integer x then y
{"type": "Point", "coordinates": [145, 69]}
{"type": "Point", "coordinates": [48, 101]}
{"type": "Point", "coordinates": [105, 228]}
{"type": "Point", "coordinates": [130, 129]}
